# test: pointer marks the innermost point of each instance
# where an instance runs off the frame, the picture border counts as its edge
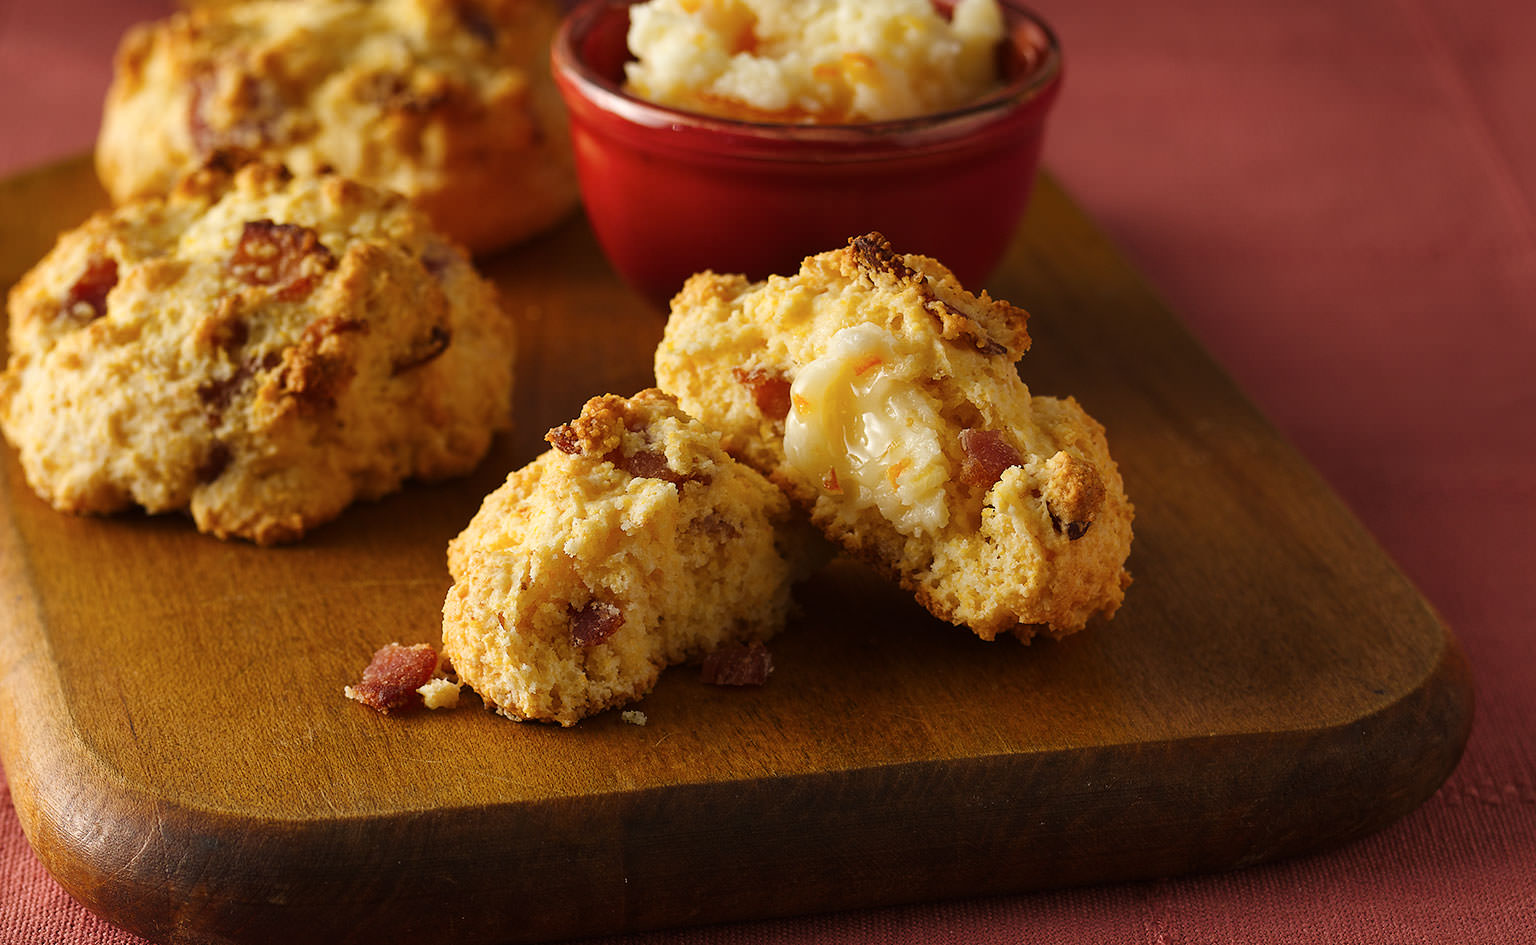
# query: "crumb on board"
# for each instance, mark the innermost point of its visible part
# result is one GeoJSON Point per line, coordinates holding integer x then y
{"type": "Point", "coordinates": [439, 693]}
{"type": "Point", "coordinates": [633, 716]}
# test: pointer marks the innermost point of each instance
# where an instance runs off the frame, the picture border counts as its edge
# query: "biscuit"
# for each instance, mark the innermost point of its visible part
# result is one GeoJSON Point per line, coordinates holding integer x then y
{"type": "Point", "coordinates": [257, 349]}
{"type": "Point", "coordinates": [449, 102]}
{"type": "Point", "coordinates": [633, 544]}
{"type": "Point", "coordinates": [883, 398]}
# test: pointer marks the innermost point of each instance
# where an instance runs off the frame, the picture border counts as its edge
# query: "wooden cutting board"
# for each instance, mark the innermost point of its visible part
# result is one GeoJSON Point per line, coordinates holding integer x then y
{"type": "Point", "coordinates": [182, 758]}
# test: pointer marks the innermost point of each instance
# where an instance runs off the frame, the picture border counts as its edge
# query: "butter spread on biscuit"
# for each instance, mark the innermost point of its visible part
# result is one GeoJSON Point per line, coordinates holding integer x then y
{"type": "Point", "coordinates": [859, 426]}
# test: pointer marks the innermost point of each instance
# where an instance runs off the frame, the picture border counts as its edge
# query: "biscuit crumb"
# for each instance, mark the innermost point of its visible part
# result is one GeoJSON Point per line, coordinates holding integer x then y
{"type": "Point", "coordinates": [633, 717]}
{"type": "Point", "coordinates": [439, 694]}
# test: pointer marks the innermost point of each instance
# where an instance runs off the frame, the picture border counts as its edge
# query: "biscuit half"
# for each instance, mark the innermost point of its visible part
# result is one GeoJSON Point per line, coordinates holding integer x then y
{"type": "Point", "coordinates": [884, 399]}
{"type": "Point", "coordinates": [634, 543]}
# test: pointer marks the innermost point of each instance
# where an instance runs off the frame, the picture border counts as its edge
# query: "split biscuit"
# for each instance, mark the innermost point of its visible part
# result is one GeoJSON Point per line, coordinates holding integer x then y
{"type": "Point", "coordinates": [884, 399]}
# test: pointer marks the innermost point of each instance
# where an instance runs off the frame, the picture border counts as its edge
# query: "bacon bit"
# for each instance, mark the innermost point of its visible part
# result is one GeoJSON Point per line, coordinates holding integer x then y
{"type": "Point", "coordinates": [87, 298]}
{"type": "Point", "coordinates": [739, 665]}
{"type": "Point", "coordinates": [986, 456]}
{"type": "Point", "coordinates": [829, 482]}
{"type": "Point", "coordinates": [217, 394]}
{"type": "Point", "coordinates": [258, 102]}
{"type": "Point", "coordinates": [565, 439]}
{"type": "Point", "coordinates": [770, 391]}
{"type": "Point", "coordinates": [594, 623]}
{"type": "Point", "coordinates": [649, 464]}
{"type": "Point", "coordinates": [422, 352]}
{"type": "Point", "coordinates": [875, 256]}
{"type": "Point", "coordinates": [214, 464]}
{"type": "Point", "coordinates": [394, 675]}
{"type": "Point", "coordinates": [281, 254]}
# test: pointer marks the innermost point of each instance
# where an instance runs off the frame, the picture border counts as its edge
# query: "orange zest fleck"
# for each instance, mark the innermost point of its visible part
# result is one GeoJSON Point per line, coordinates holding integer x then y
{"type": "Point", "coordinates": [867, 365]}
{"type": "Point", "coordinates": [858, 65]}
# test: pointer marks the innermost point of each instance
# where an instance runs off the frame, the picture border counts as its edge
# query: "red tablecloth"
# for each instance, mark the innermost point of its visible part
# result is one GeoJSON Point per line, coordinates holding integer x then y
{"type": "Point", "coordinates": [1339, 197]}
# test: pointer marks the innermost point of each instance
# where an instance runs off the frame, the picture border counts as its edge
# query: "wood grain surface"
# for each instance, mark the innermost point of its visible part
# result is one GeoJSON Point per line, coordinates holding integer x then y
{"type": "Point", "coordinates": [183, 761]}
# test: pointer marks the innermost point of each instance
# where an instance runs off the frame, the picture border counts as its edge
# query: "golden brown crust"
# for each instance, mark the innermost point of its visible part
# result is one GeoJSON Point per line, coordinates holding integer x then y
{"type": "Point", "coordinates": [604, 421]}
{"type": "Point", "coordinates": [447, 101]}
{"type": "Point", "coordinates": [258, 350]}
{"type": "Point", "coordinates": [994, 327]}
{"type": "Point", "coordinates": [911, 441]}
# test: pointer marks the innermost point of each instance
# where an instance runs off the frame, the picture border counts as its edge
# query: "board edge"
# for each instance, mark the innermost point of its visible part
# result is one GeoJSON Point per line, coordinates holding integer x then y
{"type": "Point", "coordinates": [671, 857]}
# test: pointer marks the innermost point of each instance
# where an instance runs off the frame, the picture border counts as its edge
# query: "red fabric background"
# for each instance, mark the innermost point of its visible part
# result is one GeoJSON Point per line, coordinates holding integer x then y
{"type": "Point", "coordinates": [1339, 198]}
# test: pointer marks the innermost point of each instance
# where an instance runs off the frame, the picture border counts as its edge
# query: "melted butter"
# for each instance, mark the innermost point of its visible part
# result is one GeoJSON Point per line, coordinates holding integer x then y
{"type": "Point", "coordinates": [858, 426]}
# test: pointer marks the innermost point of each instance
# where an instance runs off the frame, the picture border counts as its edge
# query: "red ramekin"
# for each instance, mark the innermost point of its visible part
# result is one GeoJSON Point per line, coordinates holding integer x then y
{"type": "Point", "coordinates": [670, 193]}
